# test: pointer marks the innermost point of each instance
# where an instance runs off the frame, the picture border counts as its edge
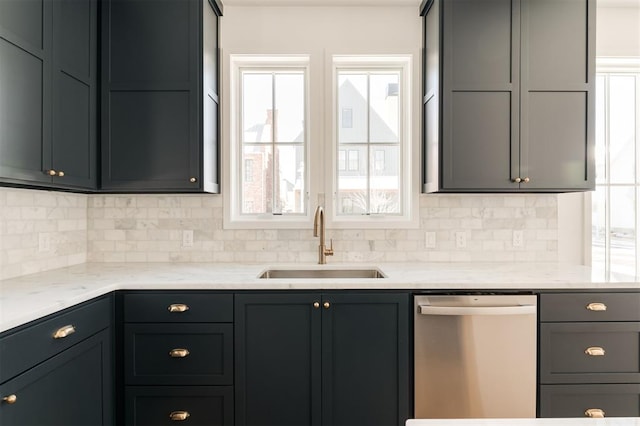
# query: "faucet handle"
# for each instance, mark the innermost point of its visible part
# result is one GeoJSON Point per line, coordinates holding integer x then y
{"type": "Point", "coordinates": [329, 251]}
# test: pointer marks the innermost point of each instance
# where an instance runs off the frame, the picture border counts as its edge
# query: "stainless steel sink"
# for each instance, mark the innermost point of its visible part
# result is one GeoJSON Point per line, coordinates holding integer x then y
{"type": "Point", "coordinates": [321, 273]}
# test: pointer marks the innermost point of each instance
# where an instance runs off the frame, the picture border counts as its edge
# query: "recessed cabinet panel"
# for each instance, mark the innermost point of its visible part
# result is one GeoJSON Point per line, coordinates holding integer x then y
{"type": "Point", "coordinates": [21, 121]}
{"type": "Point", "coordinates": [147, 137]}
{"type": "Point", "coordinates": [481, 41]}
{"type": "Point", "coordinates": [23, 18]}
{"type": "Point", "coordinates": [557, 40]}
{"type": "Point", "coordinates": [72, 127]}
{"type": "Point", "coordinates": [575, 400]}
{"type": "Point", "coordinates": [479, 152]}
{"type": "Point", "coordinates": [557, 148]}
{"type": "Point", "coordinates": [73, 37]}
{"type": "Point", "coordinates": [146, 45]}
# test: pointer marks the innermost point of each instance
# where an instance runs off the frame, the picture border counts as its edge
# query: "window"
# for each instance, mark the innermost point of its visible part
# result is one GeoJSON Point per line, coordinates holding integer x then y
{"type": "Point", "coordinates": [248, 170]}
{"type": "Point", "coordinates": [297, 140]}
{"type": "Point", "coordinates": [271, 141]}
{"type": "Point", "coordinates": [377, 142]}
{"type": "Point", "coordinates": [615, 203]}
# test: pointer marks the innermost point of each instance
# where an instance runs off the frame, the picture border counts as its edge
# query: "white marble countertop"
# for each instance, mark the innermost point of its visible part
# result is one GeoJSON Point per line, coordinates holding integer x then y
{"type": "Point", "coordinates": [611, 421]}
{"type": "Point", "coordinates": [34, 296]}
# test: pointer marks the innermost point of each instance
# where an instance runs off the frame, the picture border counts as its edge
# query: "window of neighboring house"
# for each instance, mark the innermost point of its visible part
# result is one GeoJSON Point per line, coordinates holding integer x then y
{"type": "Point", "coordinates": [347, 118]}
{"type": "Point", "coordinates": [248, 170]}
{"type": "Point", "coordinates": [376, 182]}
{"type": "Point", "coordinates": [271, 142]}
{"type": "Point", "coordinates": [378, 160]}
{"type": "Point", "coordinates": [616, 201]}
{"type": "Point", "coordinates": [342, 160]}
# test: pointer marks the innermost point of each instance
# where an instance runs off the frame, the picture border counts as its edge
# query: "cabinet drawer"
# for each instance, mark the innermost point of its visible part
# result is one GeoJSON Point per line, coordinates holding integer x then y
{"type": "Point", "coordinates": [203, 354]}
{"type": "Point", "coordinates": [178, 307]}
{"type": "Point", "coordinates": [576, 307]}
{"type": "Point", "coordinates": [206, 405]}
{"type": "Point", "coordinates": [35, 343]}
{"type": "Point", "coordinates": [564, 357]}
{"type": "Point", "coordinates": [575, 400]}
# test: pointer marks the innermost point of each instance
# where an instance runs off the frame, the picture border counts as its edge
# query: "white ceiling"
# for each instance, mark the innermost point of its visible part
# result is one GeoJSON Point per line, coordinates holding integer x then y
{"type": "Point", "coordinates": [619, 3]}
{"type": "Point", "coordinates": [601, 3]}
{"type": "Point", "coordinates": [415, 3]}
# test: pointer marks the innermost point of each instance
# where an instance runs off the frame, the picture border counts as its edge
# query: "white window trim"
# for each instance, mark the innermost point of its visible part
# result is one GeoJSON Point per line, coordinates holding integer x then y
{"type": "Point", "coordinates": [410, 151]}
{"type": "Point", "coordinates": [232, 219]}
{"type": "Point", "coordinates": [611, 65]}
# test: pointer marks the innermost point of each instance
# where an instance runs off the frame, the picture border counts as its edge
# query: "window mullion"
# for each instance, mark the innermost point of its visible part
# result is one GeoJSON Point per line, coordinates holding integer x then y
{"type": "Point", "coordinates": [368, 156]}
{"type": "Point", "coordinates": [273, 142]}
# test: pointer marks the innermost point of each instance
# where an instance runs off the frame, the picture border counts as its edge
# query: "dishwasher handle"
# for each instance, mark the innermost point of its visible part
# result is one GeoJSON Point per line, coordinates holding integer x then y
{"type": "Point", "coordinates": [477, 310]}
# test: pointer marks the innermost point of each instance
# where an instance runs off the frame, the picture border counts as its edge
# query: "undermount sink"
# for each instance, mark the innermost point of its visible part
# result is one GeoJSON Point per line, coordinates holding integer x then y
{"type": "Point", "coordinates": [321, 273]}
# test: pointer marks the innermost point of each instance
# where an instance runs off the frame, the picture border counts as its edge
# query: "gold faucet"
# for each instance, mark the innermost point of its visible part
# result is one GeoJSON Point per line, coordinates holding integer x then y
{"type": "Point", "coordinates": [318, 231]}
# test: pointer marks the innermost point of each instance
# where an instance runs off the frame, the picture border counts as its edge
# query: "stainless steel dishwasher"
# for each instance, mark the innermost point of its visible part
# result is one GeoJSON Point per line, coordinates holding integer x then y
{"type": "Point", "coordinates": [475, 356]}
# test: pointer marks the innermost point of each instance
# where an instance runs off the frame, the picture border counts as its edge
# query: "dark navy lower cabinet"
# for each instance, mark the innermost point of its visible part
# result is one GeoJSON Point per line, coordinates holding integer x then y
{"type": "Point", "coordinates": [73, 386]}
{"type": "Point", "coordinates": [322, 359]}
{"type": "Point", "coordinates": [178, 358]}
{"type": "Point", "coordinates": [589, 355]}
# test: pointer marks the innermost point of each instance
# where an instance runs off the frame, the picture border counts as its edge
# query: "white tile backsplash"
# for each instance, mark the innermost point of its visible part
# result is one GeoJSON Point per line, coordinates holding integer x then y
{"type": "Point", "coordinates": [41, 230]}
{"type": "Point", "coordinates": [148, 228]}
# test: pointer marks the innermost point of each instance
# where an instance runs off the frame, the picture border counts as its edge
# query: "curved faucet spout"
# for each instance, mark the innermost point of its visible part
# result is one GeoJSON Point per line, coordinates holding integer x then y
{"type": "Point", "coordinates": [318, 231]}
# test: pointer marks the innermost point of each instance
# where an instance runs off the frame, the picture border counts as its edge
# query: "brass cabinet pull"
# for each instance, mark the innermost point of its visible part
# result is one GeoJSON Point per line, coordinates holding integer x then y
{"type": "Point", "coordinates": [316, 305]}
{"type": "Point", "coordinates": [178, 416]}
{"type": "Point", "coordinates": [51, 172]}
{"type": "Point", "coordinates": [326, 305]}
{"type": "Point", "coordinates": [594, 413]}
{"type": "Point", "coordinates": [178, 307]}
{"type": "Point", "coordinates": [61, 174]}
{"type": "Point", "coordinates": [193, 180]}
{"type": "Point", "coordinates": [179, 353]}
{"type": "Point", "coordinates": [595, 351]}
{"type": "Point", "coordinates": [11, 399]}
{"type": "Point", "coordinates": [596, 306]}
{"type": "Point", "coordinates": [63, 332]}
{"type": "Point", "coordinates": [526, 180]}
{"type": "Point", "coordinates": [517, 180]}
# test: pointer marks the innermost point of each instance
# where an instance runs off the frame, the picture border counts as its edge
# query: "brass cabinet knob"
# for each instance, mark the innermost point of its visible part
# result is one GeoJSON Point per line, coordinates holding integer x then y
{"type": "Point", "coordinates": [193, 180]}
{"type": "Point", "coordinates": [179, 353]}
{"type": "Point", "coordinates": [316, 305]}
{"type": "Point", "coordinates": [517, 180]}
{"type": "Point", "coordinates": [526, 180]}
{"type": "Point", "coordinates": [60, 174]}
{"type": "Point", "coordinates": [596, 306]}
{"type": "Point", "coordinates": [594, 413]}
{"type": "Point", "coordinates": [326, 305]}
{"type": "Point", "coordinates": [11, 399]}
{"type": "Point", "coordinates": [178, 416]}
{"type": "Point", "coordinates": [178, 307]}
{"type": "Point", "coordinates": [51, 172]}
{"type": "Point", "coordinates": [63, 332]}
{"type": "Point", "coordinates": [595, 351]}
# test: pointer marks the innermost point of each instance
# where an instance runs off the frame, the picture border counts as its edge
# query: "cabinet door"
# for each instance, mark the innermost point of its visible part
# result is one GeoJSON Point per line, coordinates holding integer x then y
{"type": "Point", "coordinates": [151, 95]}
{"type": "Point", "coordinates": [72, 388]}
{"type": "Point", "coordinates": [25, 70]}
{"type": "Point", "coordinates": [365, 359]}
{"type": "Point", "coordinates": [277, 364]}
{"type": "Point", "coordinates": [74, 112]}
{"type": "Point", "coordinates": [480, 99]}
{"type": "Point", "coordinates": [558, 81]}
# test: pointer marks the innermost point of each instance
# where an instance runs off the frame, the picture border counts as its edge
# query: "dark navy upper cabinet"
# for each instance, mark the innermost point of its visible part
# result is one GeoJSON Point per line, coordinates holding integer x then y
{"type": "Point", "coordinates": [160, 95]}
{"type": "Point", "coordinates": [508, 95]}
{"type": "Point", "coordinates": [48, 81]}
